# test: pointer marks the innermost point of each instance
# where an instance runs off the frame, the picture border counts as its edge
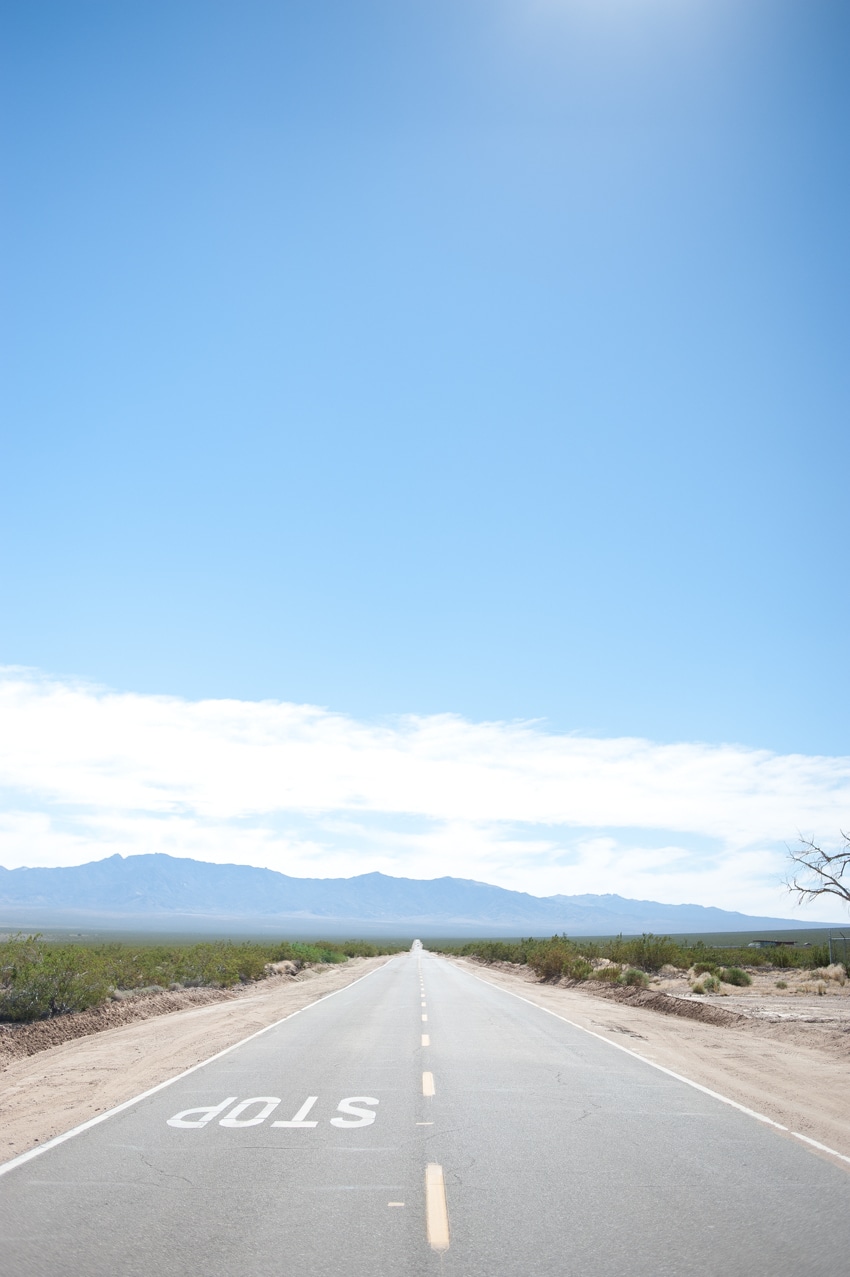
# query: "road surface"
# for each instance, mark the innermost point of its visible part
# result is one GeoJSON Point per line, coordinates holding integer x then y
{"type": "Point", "coordinates": [421, 1121]}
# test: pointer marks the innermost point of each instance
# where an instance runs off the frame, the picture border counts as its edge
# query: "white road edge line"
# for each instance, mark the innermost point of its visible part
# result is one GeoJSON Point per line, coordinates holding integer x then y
{"type": "Point", "coordinates": [697, 1086]}
{"type": "Point", "coordinates": [5, 1167]}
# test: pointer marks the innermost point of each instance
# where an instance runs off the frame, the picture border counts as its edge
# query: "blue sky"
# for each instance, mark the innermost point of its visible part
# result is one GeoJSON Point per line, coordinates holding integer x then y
{"type": "Point", "coordinates": [482, 359]}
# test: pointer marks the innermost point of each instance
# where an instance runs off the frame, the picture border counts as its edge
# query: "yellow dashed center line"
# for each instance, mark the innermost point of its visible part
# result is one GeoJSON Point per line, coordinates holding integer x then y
{"type": "Point", "coordinates": [436, 1211]}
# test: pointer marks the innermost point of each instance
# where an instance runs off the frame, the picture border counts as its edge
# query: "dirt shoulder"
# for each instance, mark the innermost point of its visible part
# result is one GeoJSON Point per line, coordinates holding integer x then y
{"type": "Point", "coordinates": [49, 1085]}
{"type": "Point", "coordinates": [795, 1071]}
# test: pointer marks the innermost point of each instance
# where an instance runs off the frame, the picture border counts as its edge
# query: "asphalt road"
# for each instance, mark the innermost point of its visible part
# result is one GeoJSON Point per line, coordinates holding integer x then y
{"type": "Point", "coordinates": [421, 1121]}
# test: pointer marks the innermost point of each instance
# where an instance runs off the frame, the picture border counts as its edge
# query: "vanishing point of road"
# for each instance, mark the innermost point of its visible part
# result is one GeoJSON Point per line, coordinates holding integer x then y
{"type": "Point", "coordinates": [422, 1121]}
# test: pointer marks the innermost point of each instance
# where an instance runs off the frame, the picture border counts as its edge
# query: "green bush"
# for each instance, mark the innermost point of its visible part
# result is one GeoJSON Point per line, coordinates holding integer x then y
{"type": "Point", "coordinates": [648, 952]}
{"type": "Point", "coordinates": [38, 981]}
{"type": "Point", "coordinates": [553, 958]}
{"type": "Point", "coordinates": [634, 978]}
{"type": "Point", "coordinates": [734, 975]}
{"type": "Point", "coordinates": [611, 973]}
{"type": "Point", "coordinates": [784, 956]}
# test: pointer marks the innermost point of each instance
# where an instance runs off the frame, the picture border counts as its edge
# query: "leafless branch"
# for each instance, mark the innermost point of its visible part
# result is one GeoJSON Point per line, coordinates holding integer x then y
{"type": "Point", "coordinates": [817, 872]}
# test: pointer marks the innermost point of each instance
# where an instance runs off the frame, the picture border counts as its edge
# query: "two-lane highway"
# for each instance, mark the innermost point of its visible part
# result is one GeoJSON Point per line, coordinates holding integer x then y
{"type": "Point", "coordinates": [422, 1121]}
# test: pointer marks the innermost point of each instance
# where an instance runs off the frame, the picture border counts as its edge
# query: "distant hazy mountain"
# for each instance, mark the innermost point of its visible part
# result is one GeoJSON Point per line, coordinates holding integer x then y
{"type": "Point", "coordinates": [159, 887]}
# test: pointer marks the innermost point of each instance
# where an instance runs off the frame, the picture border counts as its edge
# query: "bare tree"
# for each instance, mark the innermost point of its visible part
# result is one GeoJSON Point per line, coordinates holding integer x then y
{"type": "Point", "coordinates": [817, 872]}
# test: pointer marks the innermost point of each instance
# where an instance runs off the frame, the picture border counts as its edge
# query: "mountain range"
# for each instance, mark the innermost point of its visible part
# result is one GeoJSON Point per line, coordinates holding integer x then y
{"type": "Point", "coordinates": [155, 889]}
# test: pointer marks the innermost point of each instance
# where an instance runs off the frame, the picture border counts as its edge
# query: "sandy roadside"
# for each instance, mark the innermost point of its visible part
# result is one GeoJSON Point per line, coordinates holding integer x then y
{"type": "Point", "coordinates": [48, 1093]}
{"type": "Point", "coordinates": [795, 1073]}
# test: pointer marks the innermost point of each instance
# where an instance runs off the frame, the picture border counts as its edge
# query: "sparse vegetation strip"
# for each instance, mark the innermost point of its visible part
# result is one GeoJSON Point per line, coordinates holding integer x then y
{"type": "Point", "coordinates": [39, 980]}
{"type": "Point", "coordinates": [628, 962]}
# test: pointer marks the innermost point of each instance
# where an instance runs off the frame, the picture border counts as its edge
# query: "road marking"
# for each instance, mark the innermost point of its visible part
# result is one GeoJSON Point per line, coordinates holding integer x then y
{"type": "Point", "coordinates": [186, 1121]}
{"type": "Point", "coordinates": [119, 1108]}
{"type": "Point", "coordinates": [428, 1084]}
{"type": "Point", "coordinates": [198, 1117]}
{"type": "Point", "coordinates": [824, 1148]}
{"type": "Point", "coordinates": [424, 1123]}
{"type": "Point", "coordinates": [298, 1119]}
{"type": "Point", "coordinates": [426, 1041]}
{"type": "Point", "coordinates": [697, 1086]}
{"type": "Point", "coordinates": [269, 1103]}
{"type": "Point", "coordinates": [424, 1019]}
{"type": "Point", "coordinates": [361, 1116]}
{"type": "Point", "coordinates": [436, 1211]}
{"type": "Point", "coordinates": [395, 1203]}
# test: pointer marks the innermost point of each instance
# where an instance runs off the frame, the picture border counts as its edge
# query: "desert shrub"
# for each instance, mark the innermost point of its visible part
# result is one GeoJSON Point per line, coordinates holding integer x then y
{"type": "Point", "coordinates": [816, 955]}
{"type": "Point", "coordinates": [634, 978]}
{"type": "Point", "coordinates": [366, 949]}
{"type": "Point", "coordinates": [39, 980]}
{"type": "Point", "coordinates": [705, 968]}
{"type": "Point", "coordinates": [734, 975]}
{"type": "Point", "coordinates": [516, 951]}
{"type": "Point", "coordinates": [710, 983]}
{"type": "Point", "coordinates": [782, 984]}
{"type": "Point", "coordinates": [551, 959]}
{"type": "Point", "coordinates": [698, 988]}
{"type": "Point", "coordinates": [648, 952]}
{"type": "Point", "coordinates": [834, 972]}
{"type": "Point", "coordinates": [610, 973]}
{"type": "Point", "coordinates": [579, 969]}
{"type": "Point", "coordinates": [559, 958]}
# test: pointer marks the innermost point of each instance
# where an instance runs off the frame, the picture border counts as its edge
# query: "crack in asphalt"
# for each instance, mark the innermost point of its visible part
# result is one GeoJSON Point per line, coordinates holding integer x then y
{"type": "Point", "coordinates": [157, 1170]}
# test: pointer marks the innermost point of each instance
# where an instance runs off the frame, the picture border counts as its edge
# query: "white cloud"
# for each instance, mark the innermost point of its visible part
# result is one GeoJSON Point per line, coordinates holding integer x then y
{"type": "Point", "coordinates": [89, 771]}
